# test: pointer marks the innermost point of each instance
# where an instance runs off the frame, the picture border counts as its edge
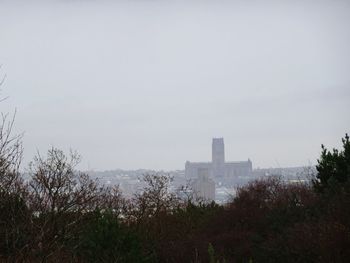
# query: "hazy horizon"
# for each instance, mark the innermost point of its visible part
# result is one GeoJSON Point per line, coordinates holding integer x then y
{"type": "Point", "coordinates": [148, 84]}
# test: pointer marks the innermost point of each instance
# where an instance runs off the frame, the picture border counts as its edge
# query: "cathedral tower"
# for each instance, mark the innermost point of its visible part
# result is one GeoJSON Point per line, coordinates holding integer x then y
{"type": "Point", "coordinates": [218, 157]}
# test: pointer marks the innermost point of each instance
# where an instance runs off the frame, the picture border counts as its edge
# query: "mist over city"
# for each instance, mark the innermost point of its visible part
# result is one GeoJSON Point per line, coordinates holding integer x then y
{"type": "Point", "coordinates": [174, 131]}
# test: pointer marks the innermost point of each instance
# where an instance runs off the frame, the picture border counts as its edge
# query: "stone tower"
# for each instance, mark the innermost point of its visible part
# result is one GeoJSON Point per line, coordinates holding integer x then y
{"type": "Point", "coordinates": [218, 157]}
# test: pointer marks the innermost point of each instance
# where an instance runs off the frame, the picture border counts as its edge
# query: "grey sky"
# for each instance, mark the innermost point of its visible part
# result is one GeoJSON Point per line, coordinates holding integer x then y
{"type": "Point", "coordinates": [147, 84]}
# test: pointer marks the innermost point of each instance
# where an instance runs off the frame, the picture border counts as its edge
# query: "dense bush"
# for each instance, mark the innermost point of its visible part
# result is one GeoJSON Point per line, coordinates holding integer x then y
{"type": "Point", "coordinates": [105, 239]}
{"type": "Point", "coordinates": [334, 169]}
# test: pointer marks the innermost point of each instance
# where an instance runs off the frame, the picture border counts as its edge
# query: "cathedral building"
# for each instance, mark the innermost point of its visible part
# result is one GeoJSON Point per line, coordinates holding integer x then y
{"type": "Point", "coordinates": [218, 169]}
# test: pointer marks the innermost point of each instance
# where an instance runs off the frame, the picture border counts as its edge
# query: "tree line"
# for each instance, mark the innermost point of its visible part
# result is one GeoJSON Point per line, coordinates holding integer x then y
{"type": "Point", "coordinates": [62, 215]}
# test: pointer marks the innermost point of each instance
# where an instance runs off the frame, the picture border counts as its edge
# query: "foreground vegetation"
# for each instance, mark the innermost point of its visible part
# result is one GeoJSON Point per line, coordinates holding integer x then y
{"type": "Point", "coordinates": [61, 215]}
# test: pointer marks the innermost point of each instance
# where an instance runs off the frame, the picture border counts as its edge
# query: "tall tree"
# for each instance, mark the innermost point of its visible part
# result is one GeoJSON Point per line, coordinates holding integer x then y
{"type": "Point", "coordinates": [333, 168]}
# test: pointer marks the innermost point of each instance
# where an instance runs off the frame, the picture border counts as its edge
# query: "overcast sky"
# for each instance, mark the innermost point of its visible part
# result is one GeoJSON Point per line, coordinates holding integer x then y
{"type": "Point", "coordinates": [148, 83]}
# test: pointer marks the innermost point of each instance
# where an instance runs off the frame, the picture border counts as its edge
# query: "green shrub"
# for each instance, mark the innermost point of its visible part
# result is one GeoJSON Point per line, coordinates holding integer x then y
{"type": "Point", "coordinates": [105, 239]}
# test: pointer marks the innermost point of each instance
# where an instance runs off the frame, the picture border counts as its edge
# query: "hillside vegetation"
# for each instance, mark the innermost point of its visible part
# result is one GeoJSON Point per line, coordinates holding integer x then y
{"type": "Point", "coordinates": [61, 215]}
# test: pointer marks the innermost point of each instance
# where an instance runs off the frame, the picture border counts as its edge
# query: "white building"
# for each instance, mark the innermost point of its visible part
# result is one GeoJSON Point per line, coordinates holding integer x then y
{"type": "Point", "coordinates": [203, 187]}
{"type": "Point", "coordinates": [218, 169]}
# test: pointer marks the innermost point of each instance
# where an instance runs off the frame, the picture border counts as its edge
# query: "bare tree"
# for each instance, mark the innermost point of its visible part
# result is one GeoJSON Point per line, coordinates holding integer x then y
{"type": "Point", "coordinates": [153, 202]}
{"type": "Point", "coordinates": [59, 198]}
{"type": "Point", "coordinates": [110, 198]}
{"type": "Point", "coordinates": [14, 213]}
{"type": "Point", "coordinates": [10, 151]}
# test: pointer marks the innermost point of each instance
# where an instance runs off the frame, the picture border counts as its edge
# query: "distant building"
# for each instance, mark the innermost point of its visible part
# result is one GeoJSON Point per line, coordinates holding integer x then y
{"type": "Point", "coordinates": [203, 187]}
{"type": "Point", "coordinates": [218, 169]}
